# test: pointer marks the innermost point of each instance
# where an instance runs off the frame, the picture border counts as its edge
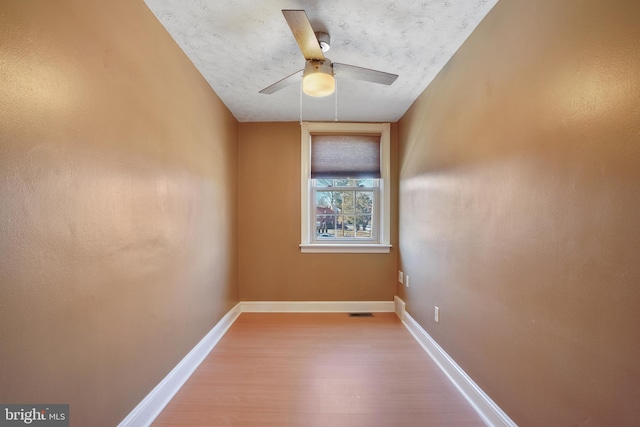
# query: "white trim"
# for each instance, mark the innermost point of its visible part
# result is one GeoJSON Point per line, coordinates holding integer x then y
{"type": "Point", "coordinates": [384, 129]}
{"type": "Point", "coordinates": [305, 182]}
{"type": "Point", "coordinates": [490, 413]}
{"type": "Point", "coordinates": [399, 307]}
{"type": "Point", "coordinates": [317, 306]}
{"type": "Point", "coordinates": [345, 248]}
{"type": "Point", "coordinates": [151, 406]}
{"type": "Point", "coordinates": [385, 184]}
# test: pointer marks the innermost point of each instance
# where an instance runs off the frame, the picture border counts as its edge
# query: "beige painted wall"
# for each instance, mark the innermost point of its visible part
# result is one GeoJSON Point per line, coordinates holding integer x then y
{"type": "Point", "coordinates": [271, 266]}
{"type": "Point", "coordinates": [117, 206]}
{"type": "Point", "coordinates": [520, 207]}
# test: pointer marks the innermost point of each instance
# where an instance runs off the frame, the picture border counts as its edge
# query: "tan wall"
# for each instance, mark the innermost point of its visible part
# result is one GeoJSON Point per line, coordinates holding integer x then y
{"type": "Point", "coordinates": [271, 266]}
{"type": "Point", "coordinates": [520, 207]}
{"type": "Point", "coordinates": [117, 206]}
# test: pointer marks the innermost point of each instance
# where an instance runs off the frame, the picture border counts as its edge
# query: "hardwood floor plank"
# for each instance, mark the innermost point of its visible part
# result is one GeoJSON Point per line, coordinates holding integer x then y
{"type": "Point", "coordinates": [318, 369]}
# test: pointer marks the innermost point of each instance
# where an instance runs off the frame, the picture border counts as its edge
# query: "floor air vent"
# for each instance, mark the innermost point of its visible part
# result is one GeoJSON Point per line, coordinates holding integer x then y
{"type": "Point", "coordinates": [360, 314]}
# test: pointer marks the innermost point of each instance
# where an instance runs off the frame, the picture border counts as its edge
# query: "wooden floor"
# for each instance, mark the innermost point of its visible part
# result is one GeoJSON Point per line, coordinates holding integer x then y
{"type": "Point", "coordinates": [291, 369]}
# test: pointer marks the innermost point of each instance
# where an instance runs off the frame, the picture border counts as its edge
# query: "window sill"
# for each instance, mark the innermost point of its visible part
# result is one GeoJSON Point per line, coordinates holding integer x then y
{"type": "Point", "coordinates": [345, 248]}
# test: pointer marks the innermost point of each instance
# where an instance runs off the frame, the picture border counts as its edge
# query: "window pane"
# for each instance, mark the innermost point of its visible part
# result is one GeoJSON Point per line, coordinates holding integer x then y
{"type": "Point", "coordinates": [346, 182]}
{"type": "Point", "coordinates": [363, 226]}
{"type": "Point", "coordinates": [364, 202]}
{"type": "Point", "coordinates": [338, 223]}
{"type": "Point", "coordinates": [325, 214]}
{"type": "Point", "coordinates": [325, 226]}
{"type": "Point", "coordinates": [348, 226]}
{"type": "Point", "coordinates": [347, 199]}
{"type": "Point", "coordinates": [364, 209]}
{"type": "Point", "coordinates": [323, 199]}
{"type": "Point", "coordinates": [324, 182]}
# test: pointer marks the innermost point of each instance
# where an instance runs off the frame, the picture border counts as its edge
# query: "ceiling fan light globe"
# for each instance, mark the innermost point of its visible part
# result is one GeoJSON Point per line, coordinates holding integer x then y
{"type": "Point", "coordinates": [318, 78]}
{"type": "Point", "coordinates": [318, 84]}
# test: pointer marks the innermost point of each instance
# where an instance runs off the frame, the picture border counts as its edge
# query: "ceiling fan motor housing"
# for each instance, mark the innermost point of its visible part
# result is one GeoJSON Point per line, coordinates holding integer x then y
{"type": "Point", "coordinates": [324, 40]}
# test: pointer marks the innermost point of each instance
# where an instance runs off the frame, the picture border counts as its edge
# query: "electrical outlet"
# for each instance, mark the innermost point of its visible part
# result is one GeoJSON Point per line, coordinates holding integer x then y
{"type": "Point", "coordinates": [437, 314]}
{"type": "Point", "coordinates": [406, 281]}
{"type": "Point", "coordinates": [400, 276]}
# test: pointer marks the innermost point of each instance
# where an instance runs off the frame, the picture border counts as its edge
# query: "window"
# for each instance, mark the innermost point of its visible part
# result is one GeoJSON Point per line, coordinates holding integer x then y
{"type": "Point", "coordinates": [345, 209]}
{"type": "Point", "coordinates": [345, 187]}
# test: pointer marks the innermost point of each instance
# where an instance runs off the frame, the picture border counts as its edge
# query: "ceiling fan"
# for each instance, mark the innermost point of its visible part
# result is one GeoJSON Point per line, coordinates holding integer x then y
{"type": "Point", "coordinates": [318, 75]}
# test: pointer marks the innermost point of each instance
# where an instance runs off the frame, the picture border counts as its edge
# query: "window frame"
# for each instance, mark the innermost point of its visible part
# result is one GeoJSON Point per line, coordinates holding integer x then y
{"type": "Point", "coordinates": [307, 230]}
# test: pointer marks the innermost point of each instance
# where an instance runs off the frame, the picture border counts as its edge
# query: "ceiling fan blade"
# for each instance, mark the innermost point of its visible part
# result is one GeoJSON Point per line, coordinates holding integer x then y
{"type": "Point", "coordinates": [287, 81]}
{"type": "Point", "coordinates": [302, 31]}
{"type": "Point", "coordinates": [366, 74]}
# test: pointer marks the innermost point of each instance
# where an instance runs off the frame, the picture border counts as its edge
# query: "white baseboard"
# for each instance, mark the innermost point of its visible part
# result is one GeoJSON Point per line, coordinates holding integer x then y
{"type": "Point", "coordinates": [151, 406]}
{"type": "Point", "coordinates": [317, 306]}
{"type": "Point", "coordinates": [399, 307]}
{"type": "Point", "coordinates": [491, 413]}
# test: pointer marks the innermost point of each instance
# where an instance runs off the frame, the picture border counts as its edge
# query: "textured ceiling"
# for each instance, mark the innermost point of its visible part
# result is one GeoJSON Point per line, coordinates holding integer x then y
{"type": "Point", "coordinates": [242, 46]}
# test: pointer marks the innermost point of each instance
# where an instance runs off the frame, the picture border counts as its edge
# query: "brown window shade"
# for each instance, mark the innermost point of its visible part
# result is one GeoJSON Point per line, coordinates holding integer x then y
{"type": "Point", "coordinates": [345, 156]}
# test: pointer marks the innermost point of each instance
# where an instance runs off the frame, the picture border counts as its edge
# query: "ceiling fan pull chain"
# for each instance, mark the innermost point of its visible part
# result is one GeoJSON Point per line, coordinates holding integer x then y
{"type": "Point", "coordinates": [301, 103]}
{"type": "Point", "coordinates": [336, 100]}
